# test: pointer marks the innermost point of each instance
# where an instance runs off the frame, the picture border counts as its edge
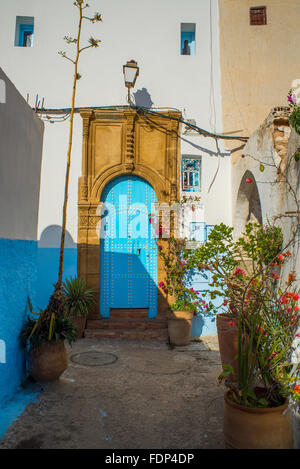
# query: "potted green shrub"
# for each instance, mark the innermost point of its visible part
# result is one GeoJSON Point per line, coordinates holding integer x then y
{"type": "Point", "coordinates": [44, 338]}
{"type": "Point", "coordinates": [78, 298]}
{"type": "Point", "coordinates": [263, 316]}
{"type": "Point", "coordinates": [230, 264]}
{"type": "Point", "coordinates": [183, 301]}
{"type": "Point", "coordinates": [256, 412]}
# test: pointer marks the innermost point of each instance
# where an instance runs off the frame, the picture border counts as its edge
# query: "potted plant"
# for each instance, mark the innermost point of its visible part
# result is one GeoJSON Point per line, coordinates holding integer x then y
{"type": "Point", "coordinates": [78, 299]}
{"type": "Point", "coordinates": [228, 262]}
{"type": "Point", "coordinates": [44, 338]}
{"type": "Point", "coordinates": [183, 301]}
{"type": "Point", "coordinates": [256, 412]}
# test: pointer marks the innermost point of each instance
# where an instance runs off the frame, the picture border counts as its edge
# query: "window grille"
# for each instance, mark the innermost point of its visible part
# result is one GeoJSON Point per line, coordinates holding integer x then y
{"type": "Point", "coordinates": [258, 16]}
{"type": "Point", "coordinates": [191, 174]}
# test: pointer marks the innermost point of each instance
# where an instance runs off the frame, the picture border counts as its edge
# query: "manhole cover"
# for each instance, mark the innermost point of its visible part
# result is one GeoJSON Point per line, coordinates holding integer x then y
{"type": "Point", "coordinates": [94, 358]}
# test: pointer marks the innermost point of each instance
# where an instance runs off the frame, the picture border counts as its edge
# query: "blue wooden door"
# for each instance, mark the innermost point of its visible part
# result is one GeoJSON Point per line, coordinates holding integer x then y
{"type": "Point", "coordinates": [128, 274]}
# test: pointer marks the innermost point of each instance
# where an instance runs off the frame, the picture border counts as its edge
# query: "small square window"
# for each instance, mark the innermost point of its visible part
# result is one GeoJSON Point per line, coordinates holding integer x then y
{"type": "Point", "coordinates": [197, 232]}
{"type": "Point", "coordinates": [258, 16]}
{"type": "Point", "coordinates": [191, 174]}
{"type": "Point", "coordinates": [24, 31]}
{"type": "Point", "coordinates": [187, 38]}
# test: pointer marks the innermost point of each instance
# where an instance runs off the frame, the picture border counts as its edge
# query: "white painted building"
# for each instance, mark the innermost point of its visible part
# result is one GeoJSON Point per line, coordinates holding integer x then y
{"type": "Point", "coordinates": [153, 34]}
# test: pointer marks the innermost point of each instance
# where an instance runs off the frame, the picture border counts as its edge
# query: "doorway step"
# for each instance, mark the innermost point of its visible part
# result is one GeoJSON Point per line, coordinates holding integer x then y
{"type": "Point", "coordinates": [131, 324]}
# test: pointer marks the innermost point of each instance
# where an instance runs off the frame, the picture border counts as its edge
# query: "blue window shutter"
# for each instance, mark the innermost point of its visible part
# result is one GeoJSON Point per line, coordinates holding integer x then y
{"type": "Point", "coordinates": [190, 37]}
{"type": "Point", "coordinates": [23, 29]}
{"type": "Point", "coordinates": [197, 232]}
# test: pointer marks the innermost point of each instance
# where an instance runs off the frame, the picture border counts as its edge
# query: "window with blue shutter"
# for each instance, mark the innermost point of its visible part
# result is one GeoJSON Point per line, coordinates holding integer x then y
{"type": "Point", "coordinates": [24, 31]}
{"type": "Point", "coordinates": [187, 39]}
{"type": "Point", "coordinates": [191, 174]}
{"type": "Point", "coordinates": [197, 232]}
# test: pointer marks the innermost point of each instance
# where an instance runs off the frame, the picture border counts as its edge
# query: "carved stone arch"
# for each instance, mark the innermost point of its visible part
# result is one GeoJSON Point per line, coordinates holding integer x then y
{"type": "Point", "coordinates": [248, 205]}
{"type": "Point", "coordinates": [152, 177]}
{"type": "Point", "coordinates": [118, 142]}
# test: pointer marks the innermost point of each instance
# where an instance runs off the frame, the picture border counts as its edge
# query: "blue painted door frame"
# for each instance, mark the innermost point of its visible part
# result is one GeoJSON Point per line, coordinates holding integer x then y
{"type": "Point", "coordinates": [128, 272]}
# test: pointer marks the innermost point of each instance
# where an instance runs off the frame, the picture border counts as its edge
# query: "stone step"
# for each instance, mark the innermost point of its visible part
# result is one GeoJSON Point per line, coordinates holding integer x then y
{"type": "Point", "coordinates": [159, 335]}
{"type": "Point", "coordinates": [125, 313]}
{"type": "Point", "coordinates": [138, 324]}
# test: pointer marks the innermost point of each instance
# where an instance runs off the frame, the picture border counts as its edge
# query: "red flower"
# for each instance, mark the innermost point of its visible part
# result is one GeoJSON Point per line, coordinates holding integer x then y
{"type": "Point", "coordinates": [297, 388]}
{"type": "Point", "coordinates": [225, 302]}
{"type": "Point", "coordinates": [239, 271]}
{"type": "Point", "coordinates": [231, 323]}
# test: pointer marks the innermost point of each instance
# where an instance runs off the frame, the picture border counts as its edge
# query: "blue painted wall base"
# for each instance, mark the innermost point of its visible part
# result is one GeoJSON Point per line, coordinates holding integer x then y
{"type": "Point", "coordinates": [12, 408]}
{"type": "Point", "coordinates": [18, 260]}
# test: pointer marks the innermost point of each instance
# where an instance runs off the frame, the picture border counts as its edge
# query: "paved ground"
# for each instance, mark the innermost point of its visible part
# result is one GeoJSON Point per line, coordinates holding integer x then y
{"type": "Point", "coordinates": [149, 397]}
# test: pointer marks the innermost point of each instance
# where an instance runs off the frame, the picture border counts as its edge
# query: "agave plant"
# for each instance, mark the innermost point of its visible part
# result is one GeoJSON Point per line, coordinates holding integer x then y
{"type": "Point", "coordinates": [78, 297]}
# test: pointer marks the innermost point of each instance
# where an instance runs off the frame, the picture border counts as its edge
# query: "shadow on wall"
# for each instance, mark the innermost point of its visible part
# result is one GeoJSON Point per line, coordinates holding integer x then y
{"type": "Point", "coordinates": [48, 262]}
{"type": "Point", "coordinates": [143, 98]}
{"type": "Point", "coordinates": [248, 206]}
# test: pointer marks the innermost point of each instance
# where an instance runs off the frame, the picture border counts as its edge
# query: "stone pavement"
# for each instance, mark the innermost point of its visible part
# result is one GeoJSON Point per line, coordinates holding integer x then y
{"type": "Point", "coordinates": [119, 394]}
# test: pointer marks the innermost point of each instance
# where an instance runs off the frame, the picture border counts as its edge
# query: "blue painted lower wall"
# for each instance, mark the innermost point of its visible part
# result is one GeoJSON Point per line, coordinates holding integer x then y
{"type": "Point", "coordinates": [47, 271]}
{"type": "Point", "coordinates": [204, 323]}
{"type": "Point", "coordinates": [18, 275]}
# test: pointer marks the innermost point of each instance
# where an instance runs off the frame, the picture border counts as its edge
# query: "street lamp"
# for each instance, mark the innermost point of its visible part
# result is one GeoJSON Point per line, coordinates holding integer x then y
{"type": "Point", "coordinates": [131, 72]}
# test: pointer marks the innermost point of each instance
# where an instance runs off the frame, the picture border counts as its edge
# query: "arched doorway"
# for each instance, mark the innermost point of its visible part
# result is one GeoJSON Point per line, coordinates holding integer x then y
{"type": "Point", "coordinates": [128, 251]}
{"type": "Point", "coordinates": [248, 206]}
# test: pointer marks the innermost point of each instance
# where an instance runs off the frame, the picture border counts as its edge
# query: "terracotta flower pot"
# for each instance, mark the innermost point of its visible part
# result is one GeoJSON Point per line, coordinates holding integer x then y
{"type": "Point", "coordinates": [250, 428]}
{"type": "Point", "coordinates": [79, 323]}
{"type": "Point", "coordinates": [48, 362]}
{"type": "Point", "coordinates": [228, 341]}
{"type": "Point", "coordinates": [179, 327]}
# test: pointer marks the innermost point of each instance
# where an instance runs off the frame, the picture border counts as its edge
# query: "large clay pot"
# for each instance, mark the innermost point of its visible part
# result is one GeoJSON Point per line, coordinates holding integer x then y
{"type": "Point", "coordinates": [48, 362]}
{"type": "Point", "coordinates": [228, 341]}
{"type": "Point", "coordinates": [249, 428]}
{"type": "Point", "coordinates": [179, 327]}
{"type": "Point", "coordinates": [79, 323]}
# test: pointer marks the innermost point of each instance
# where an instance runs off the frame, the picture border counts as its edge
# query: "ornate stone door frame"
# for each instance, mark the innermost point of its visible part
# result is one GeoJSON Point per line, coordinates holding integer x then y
{"type": "Point", "coordinates": [118, 142]}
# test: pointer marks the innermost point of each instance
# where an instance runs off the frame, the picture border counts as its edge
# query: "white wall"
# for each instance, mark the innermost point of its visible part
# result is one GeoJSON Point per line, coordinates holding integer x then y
{"type": "Point", "coordinates": [148, 32]}
{"type": "Point", "coordinates": [21, 142]}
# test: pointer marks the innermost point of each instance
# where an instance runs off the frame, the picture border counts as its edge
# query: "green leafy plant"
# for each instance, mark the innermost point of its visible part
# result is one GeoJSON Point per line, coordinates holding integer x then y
{"type": "Point", "coordinates": [295, 114]}
{"type": "Point", "coordinates": [78, 297]}
{"type": "Point", "coordinates": [268, 321]}
{"type": "Point", "coordinates": [46, 327]}
{"type": "Point", "coordinates": [173, 255]}
{"type": "Point", "coordinates": [230, 262]}
{"type": "Point", "coordinates": [246, 275]}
